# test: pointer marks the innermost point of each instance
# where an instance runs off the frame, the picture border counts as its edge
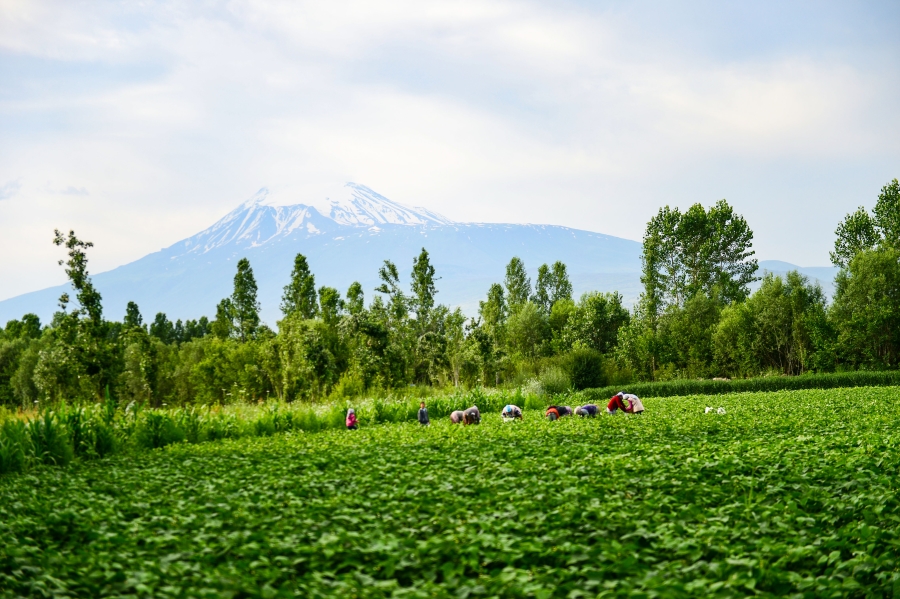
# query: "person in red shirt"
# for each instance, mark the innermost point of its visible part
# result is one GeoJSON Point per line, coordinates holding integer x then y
{"type": "Point", "coordinates": [351, 420]}
{"type": "Point", "coordinates": [615, 404]}
{"type": "Point", "coordinates": [557, 412]}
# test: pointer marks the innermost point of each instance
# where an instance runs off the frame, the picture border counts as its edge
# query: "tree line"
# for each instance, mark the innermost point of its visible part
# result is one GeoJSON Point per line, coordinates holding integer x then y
{"type": "Point", "coordinates": [696, 317]}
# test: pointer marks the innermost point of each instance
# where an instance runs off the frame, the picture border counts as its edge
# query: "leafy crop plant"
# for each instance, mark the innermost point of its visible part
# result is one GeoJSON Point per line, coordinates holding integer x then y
{"type": "Point", "coordinates": [791, 494]}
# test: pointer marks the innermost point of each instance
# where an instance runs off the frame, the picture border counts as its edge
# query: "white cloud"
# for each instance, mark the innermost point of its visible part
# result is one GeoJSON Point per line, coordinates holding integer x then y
{"type": "Point", "coordinates": [71, 190]}
{"type": "Point", "coordinates": [9, 189]}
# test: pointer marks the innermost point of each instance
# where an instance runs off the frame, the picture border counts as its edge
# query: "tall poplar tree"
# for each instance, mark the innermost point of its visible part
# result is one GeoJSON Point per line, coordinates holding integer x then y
{"type": "Point", "coordinates": [517, 283]}
{"type": "Point", "coordinates": [300, 294]}
{"type": "Point", "coordinates": [331, 303]}
{"type": "Point", "coordinates": [562, 287]}
{"type": "Point", "coordinates": [133, 316]}
{"type": "Point", "coordinates": [390, 286]}
{"type": "Point", "coordinates": [223, 325]}
{"type": "Point", "coordinates": [76, 269]}
{"type": "Point", "coordinates": [162, 328]}
{"type": "Point", "coordinates": [244, 303]}
{"type": "Point", "coordinates": [493, 311]}
{"type": "Point", "coordinates": [423, 287]}
{"type": "Point", "coordinates": [552, 286]}
{"type": "Point", "coordinates": [355, 298]}
{"type": "Point", "coordinates": [543, 289]}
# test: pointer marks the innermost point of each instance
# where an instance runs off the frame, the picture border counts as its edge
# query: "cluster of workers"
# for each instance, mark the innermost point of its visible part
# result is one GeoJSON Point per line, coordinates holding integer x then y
{"type": "Point", "coordinates": [625, 402]}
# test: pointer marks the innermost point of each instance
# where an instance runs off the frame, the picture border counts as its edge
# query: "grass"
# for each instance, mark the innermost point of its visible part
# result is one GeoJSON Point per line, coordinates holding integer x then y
{"type": "Point", "coordinates": [789, 494]}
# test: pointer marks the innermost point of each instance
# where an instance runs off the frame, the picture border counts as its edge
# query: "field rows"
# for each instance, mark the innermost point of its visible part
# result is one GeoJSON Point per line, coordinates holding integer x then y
{"type": "Point", "coordinates": [789, 494]}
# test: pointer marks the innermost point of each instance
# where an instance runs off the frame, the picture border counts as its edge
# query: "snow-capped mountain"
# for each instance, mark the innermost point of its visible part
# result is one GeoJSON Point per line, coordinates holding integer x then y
{"type": "Point", "coordinates": [345, 239]}
{"type": "Point", "coordinates": [260, 220]}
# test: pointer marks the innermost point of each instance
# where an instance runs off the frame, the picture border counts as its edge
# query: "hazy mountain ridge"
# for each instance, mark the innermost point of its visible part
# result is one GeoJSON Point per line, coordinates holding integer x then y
{"type": "Point", "coordinates": [362, 229]}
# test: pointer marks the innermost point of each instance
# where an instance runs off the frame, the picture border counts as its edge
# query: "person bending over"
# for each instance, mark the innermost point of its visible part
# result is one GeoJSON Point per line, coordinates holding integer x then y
{"type": "Point", "coordinates": [511, 412]}
{"type": "Point", "coordinates": [634, 403]}
{"type": "Point", "coordinates": [457, 417]}
{"type": "Point", "coordinates": [471, 416]}
{"type": "Point", "coordinates": [590, 410]}
{"type": "Point", "coordinates": [557, 412]}
{"type": "Point", "coordinates": [616, 403]}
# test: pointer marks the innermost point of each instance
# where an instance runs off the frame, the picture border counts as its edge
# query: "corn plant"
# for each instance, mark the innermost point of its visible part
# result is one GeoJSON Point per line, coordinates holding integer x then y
{"type": "Point", "coordinates": [50, 441]}
{"type": "Point", "coordinates": [15, 446]}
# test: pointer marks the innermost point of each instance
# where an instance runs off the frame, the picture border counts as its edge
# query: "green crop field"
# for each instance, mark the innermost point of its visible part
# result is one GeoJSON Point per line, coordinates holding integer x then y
{"type": "Point", "coordinates": [786, 494]}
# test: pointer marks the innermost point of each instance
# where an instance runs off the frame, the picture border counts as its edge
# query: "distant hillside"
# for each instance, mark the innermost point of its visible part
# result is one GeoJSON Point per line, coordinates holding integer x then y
{"type": "Point", "coordinates": [349, 243]}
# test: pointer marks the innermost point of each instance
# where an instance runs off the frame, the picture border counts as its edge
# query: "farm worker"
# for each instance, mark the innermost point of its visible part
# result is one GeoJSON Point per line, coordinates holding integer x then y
{"type": "Point", "coordinates": [557, 412]}
{"type": "Point", "coordinates": [351, 420]}
{"type": "Point", "coordinates": [456, 417]}
{"type": "Point", "coordinates": [471, 416]}
{"type": "Point", "coordinates": [423, 414]}
{"type": "Point", "coordinates": [616, 403]}
{"type": "Point", "coordinates": [634, 404]}
{"type": "Point", "coordinates": [587, 410]}
{"type": "Point", "coordinates": [511, 412]}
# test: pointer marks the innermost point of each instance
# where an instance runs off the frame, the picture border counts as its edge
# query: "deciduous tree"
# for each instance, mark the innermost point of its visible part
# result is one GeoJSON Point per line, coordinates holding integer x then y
{"type": "Point", "coordinates": [244, 303]}
{"type": "Point", "coordinates": [300, 294]}
{"type": "Point", "coordinates": [517, 283]}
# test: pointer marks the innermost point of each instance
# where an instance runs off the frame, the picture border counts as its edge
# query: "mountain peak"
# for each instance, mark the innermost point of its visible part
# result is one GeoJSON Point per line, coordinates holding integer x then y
{"type": "Point", "coordinates": [263, 218]}
{"type": "Point", "coordinates": [260, 197]}
{"type": "Point", "coordinates": [366, 208]}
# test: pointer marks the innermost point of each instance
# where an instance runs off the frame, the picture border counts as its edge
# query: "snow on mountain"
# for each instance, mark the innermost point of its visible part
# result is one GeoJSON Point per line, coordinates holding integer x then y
{"type": "Point", "coordinates": [260, 220]}
{"type": "Point", "coordinates": [253, 224]}
{"type": "Point", "coordinates": [366, 208]}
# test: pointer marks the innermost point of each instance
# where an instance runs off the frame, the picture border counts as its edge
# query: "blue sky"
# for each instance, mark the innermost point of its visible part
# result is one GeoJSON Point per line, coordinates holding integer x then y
{"type": "Point", "coordinates": [140, 124]}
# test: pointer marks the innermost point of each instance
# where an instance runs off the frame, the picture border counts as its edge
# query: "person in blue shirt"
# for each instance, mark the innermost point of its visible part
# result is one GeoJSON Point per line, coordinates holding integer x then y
{"type": "Point", "coordinates": [590, 410]}
{"type": "Point", "coordinates": [423, 414]}
{"type": "Point", "coordinates": [511, 412]}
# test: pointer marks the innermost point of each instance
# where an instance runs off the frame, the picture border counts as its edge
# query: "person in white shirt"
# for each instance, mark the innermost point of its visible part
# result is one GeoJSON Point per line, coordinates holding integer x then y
{"type": "Point", "coordinates": [511, 412]}
{"type": "Point", "coordinates": [634, 403]}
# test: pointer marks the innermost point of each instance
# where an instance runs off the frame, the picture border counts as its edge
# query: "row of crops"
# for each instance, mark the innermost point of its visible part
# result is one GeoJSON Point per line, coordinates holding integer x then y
{"type": "Point", "coordinates": [791, 494]}
{"type": "Point", "coordinates": [768, 384]}
{"type": "Point", "coordinates": [57, 436]}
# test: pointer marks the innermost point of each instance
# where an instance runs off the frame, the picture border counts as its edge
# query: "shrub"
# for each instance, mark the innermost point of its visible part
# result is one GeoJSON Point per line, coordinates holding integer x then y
{"type": "Point", "coordinates": [588, 368]}
{"type": "Point", "coordinates": [555, 381]}
{"type": "Point", "coordinates": [348, 387]}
